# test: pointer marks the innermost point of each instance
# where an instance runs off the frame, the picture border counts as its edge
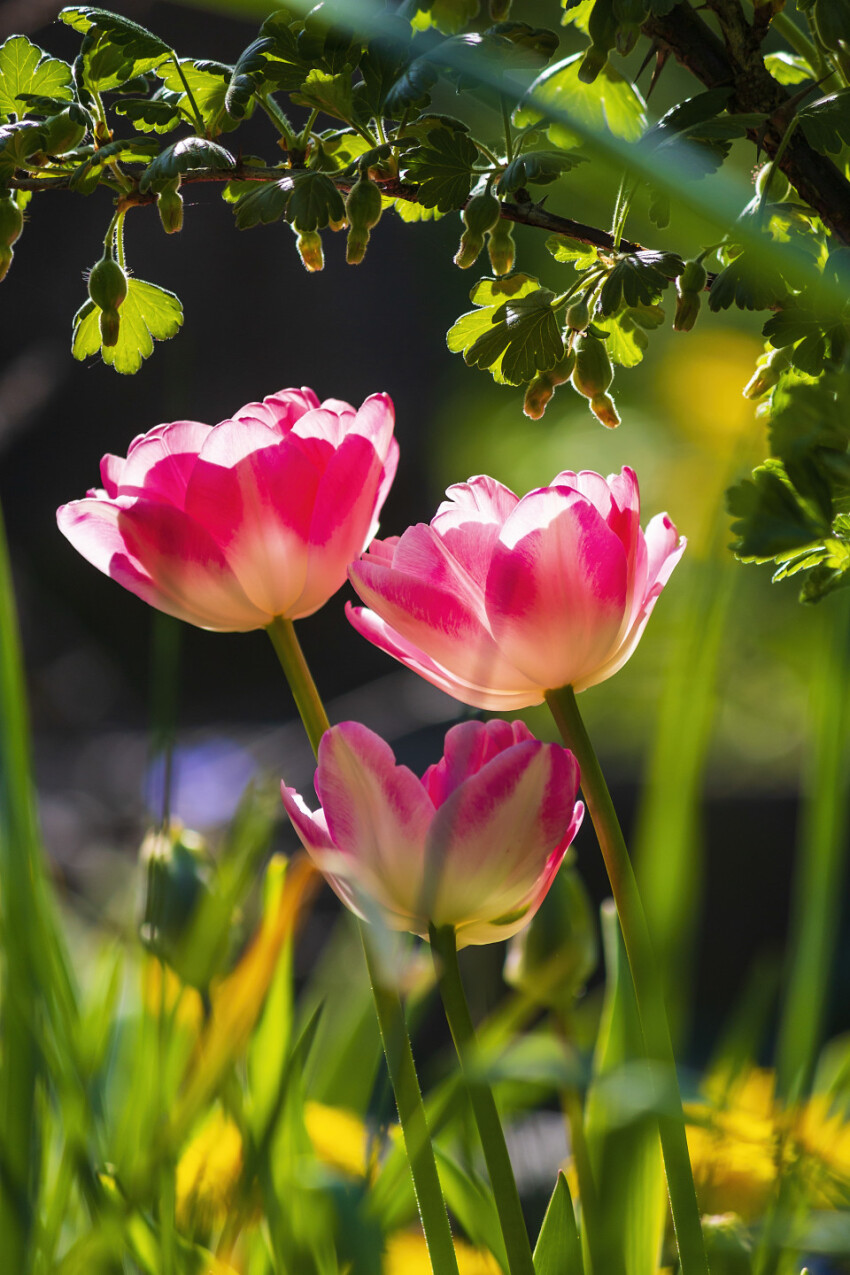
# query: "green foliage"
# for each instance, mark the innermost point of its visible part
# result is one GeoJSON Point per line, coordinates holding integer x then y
{"type": "Point", "coordinates": [638, 279]}
{"type": "Point", "coordinates": [826, 122]}
{"type": "Point", "coordinates": [610, 102]}
{"type": "Point", "coordinates": [442, 168]}
{"type": "Point", "coordinates": [558, 1246]}
{"type": "Point", "coordinates": [27, 69]}
{"type": "Point", "coordinates": [514, 334]}
{"type": "Point", "coordinates": [182, 157]}
{"type": "Point", "coordinates": [148, 312]}
{"type": "Point", "coordinates": [537, 168]}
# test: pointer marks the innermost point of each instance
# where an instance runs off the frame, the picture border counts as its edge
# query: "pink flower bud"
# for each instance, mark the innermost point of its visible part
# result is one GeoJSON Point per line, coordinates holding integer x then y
{"type": "Point", "coordinates": [475, 843]}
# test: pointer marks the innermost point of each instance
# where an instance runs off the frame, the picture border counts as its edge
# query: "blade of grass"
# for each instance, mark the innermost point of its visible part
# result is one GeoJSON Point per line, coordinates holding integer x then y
{"type": "Point", "coordinates": [818, 888]}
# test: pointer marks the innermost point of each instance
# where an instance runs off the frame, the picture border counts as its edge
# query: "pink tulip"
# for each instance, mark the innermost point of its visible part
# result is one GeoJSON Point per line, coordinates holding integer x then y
{"type": "Point", "coordinates": [501, 599]}
{"type": "Point", "coordinates": [232, 525]}
{"type": "Point", "coordinates": [475, 843]}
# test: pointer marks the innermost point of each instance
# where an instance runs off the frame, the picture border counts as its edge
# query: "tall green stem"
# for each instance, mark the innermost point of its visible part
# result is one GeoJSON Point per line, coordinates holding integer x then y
{"type": "Point", "coordinates": [411, 1114]}
{"type": "Point", "coordinates": [444, 947]}
{"type": "Point", "coordinates": [388, 1006]}
{"type": "Point", "coordinates": [645, 976]}
{"type": "Point", "coordinates": [298, 675]}
{"type": "Point", "coordinates": [822, 857]}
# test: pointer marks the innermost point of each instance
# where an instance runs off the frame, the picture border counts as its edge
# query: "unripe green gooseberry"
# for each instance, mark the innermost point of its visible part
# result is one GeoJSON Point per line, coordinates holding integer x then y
{"type": "Point", "coordinates": [543, 386]}
{"type": "Point", "coordinates": [6, 255]}
{"type": "Point", "coordinates": [309, 245]}
{"type": "Point", "coordinates": [169, 204]}
{"type": "Point", "coordinates": [107, 284]}
{"type": "Point", "coordinates": [363, 209]}
{"type": "Point", "coordinates": [593, 372]}
{"type": "Point", "coordinates": [11, 221]}
{"type": "Point", "coordinates": [772, 184]}
{"type": "Point", "coordinates": [578, 315]}
{"type": "Point", "coordinates": [501, 247]}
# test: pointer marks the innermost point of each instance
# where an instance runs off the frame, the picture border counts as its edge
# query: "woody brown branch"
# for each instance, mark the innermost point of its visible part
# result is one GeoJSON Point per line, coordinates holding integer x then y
{"type": "Point", "coordinates": [737, 62]}
{"type": "Point", "coordinates": [523, 212]}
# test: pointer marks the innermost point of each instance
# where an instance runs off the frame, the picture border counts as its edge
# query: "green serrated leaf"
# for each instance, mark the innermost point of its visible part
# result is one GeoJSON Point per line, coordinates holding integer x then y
{"type": "Point", "coordinates": [489, 295]}
{"type": "Point", "coordinates": [208, 82]}
{"type": "Point", "coordinates": [182, 157]}
{"type": "Point", "coordinates": [626, 333]}
{"type": "Point", "coordinates": [580, 256]}
{"type": "Point", "coordinates": [328, 93]}
{"type": "Point", "coordinates": [136, 42]}
{"type": "Point", "coordinates": [826, 123]}
{"type": "Point", "coordinates": [86, 177]}
{"type": "Point", "coordinates": [314, 202]}
{"type": "Point", "coordinates": [746, 286]}
{"type": "Point", "coordinates": [610, 102]}
{"type": "Point", "coordinates": [769, 517]}
{"type": "Point", "coordinates": [524, 338]}
{"type": "Point", "coordinates": [639, 278]}
{"type": "Point", "coordinates": [443, 169]}
{"type": "Point", "coordinates": [25, 68]}
{"type": "Point", "coordinates": [448, 16]}
{"type": "Point", "coordinates": [263, 203]}
{"type": "Point", "coordinates": [150, 114]}
{"type": "Point", "coordinates": [537, 168]}
{"type": "Point", "coordinates": [149, 312]}
{"type": "Point", "coordinates": [788, 68]}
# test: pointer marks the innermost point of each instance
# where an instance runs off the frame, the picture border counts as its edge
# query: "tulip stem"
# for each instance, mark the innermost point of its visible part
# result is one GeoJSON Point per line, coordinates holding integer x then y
{"type": "Point", "coordinates": [517, 1246]}
{"type": "Point", "coordinates": [388, 1007]}
{"type": "Point", "coordinates": [300, 679]}
{"type": "Point", "coordinates": [411, 1114]}
{"type": "Point", "coordinates": [646, 977]}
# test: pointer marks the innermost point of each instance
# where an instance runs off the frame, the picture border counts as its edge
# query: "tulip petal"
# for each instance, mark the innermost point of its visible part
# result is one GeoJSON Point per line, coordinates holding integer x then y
{"type": "Point", "coordinates": [469, 746]}
{"type": "Point", "coordinates": [255, 493]}
{"type": "Point", "coordinates": [279, 411]}
{"type": "Point", "coordinates": [343, 514]}
{"type": "Point", "coordinates": [156, 552]}
{"type": "Point", "coordinates": [468, 524]}
{"type": "Point", "coordinates": [663, 549]}
{"type": "Point", "coordinates": [375, 629]}
{"type": "Point", "coordinates": [191, 572]}
{"type": "Point", "coordinates": [435, 607]}
{"type": "Point", "coordinates": [478, 932]}
{"type": "Point", "coordinates": [557, 587]}
{"type": "Point", "coordinates": [377, 814]}
{"type": "Point", "coordinates": [159, 467]}
{"type": "Point", "coordinates": [490, 841]}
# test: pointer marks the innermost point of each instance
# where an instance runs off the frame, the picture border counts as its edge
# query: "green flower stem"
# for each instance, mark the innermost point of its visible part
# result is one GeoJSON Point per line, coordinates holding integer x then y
{"type": "Point", "coordinates": [411, 1114]}
{"type": "Point", "coordinates": [645, 976]}
{"type": "Point", "coordinates": [444, 948]}
{"type": "Point", "coordinates": [388, 1006]}
{"type": "Point", "coordinates": [300, 679]}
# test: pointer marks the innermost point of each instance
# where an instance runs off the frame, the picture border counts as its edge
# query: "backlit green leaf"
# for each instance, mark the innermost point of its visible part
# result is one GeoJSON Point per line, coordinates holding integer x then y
{"type": "Point", "coordinates": [610, 102]}
{"type": "Point", "coordinates": [148, 312]}
{"type": "Point", "coordinates": [443, 169]}
{"type": "Point", "coordinates": [25, 68]}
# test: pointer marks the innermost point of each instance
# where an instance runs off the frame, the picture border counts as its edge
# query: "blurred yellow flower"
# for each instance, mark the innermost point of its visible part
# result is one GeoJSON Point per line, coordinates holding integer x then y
{"type": "Point", "coordinates": [208, 1174]}
{"type": "Point", "coordinates": [407, 1254]}
{"type": "Point", "coordinates": [163, 992]}
{"type": "Point", "coordinates": [340, 1138]}
{"type": "Point", "coordinates": [742, 1137]}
